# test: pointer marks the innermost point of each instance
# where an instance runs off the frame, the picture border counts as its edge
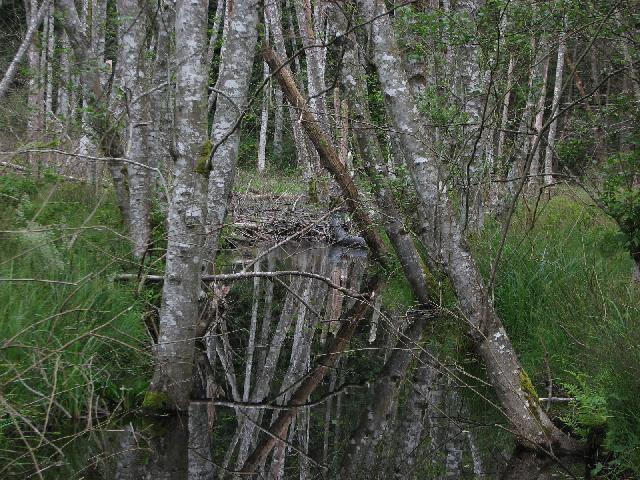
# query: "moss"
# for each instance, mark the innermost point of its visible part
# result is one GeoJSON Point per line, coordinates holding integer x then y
{"type": "Point", "coordinates": [527, 386]}
{"type": "Point", "coordinates": [530, 392]}
{"type": "Point", "coordinates": [156, 402]}
{"type": "Point", "coordinates": [203, 165]}
{"type": "Point", "coordinates": [313, 191]}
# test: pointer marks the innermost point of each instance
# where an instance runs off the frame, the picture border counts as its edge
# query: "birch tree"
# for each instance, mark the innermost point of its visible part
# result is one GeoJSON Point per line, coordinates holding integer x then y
{"type": "Point", "coordinates": [555, 107]}
{"type": "Point", "coordinates": [233, 82]}
{"type": "Point", "coordinates": [173, 376]}
{"type": "Point", "coordinates": [134, 79]}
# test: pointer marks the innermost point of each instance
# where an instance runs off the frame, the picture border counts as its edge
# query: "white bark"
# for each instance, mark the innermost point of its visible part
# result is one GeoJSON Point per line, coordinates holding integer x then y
{"type": "Point", "coordinates": [274, 20]}
{"type": "Point", "coordinates": [278, 121]}
{"type": "Point", "coordinates": [505, 373]}
{"type": "Point", "coordinates": [542, 76]}
{"type": "Point", "coordinates": [133, 79]}
{"type": "Point", "coordinates": [36, 97]}
{"type": "Point", "coordinates": [555, 107]}
{"type": "Point", "coordinates": [161, 98]}
{"type": "Point", "coordinates": [51, 44]}
{"type": "Point", "coordinates": [264, 116]}
{"type": "Point", "coordinates": [233, 81]}
{"type": "Point", "coordinates": [315, 59]}
{"type": "Point", "coordinates": [187, 210]}
{"type": "Point", "coordinates": [65, 79]}
{"type": "Point", "coordinates": [251, 346]}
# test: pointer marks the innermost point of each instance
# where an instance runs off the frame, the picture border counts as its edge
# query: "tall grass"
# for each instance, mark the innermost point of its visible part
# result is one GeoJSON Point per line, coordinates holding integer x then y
{"type": "Point", "coordinates": [565, 294]}
{"type": "Point", "coordinates": [75, 345]}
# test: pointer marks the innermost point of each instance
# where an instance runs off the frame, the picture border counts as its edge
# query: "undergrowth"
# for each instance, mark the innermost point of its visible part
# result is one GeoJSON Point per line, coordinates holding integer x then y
{"type": "Point", "coordinates": [74, 346]}
{"type": "Point", "coordinates": [564, 292]}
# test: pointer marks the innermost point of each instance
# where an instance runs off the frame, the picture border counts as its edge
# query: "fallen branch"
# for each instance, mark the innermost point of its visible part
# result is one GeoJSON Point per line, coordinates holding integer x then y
{"type": "Point", "coordinates": [274, 406]}
{"type": "Point", "coordinates": [244, 275]}
{"type": "Point", "coordinates": [39, 280]}
{"type": "Point", "coordinates": [557, 399]}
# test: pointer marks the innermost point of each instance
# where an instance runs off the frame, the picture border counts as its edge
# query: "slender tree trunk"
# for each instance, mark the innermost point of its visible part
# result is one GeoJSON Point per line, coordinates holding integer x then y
{"type": "Point", "coordinates": [215, 30]}
{"type": "Point", "coordinates": [64, 78]}
{"type": "Point", "coordinates": [173, 375]}
{"type": "Point", "coordinates": [328, 155]}
{"type": "Point", "coordinates": [235, 72]}
{"type": "Point", "coordinates": [133, 77]}
{"type": "Point", "coordinates": [278, 122]}
{"type": "Point", "coordinates": [519, 402]}
{"type": "Point", "coordinates": [35, 96]}
{"type": "Point", "coordinates": [470, 87]}
{"type": "Point", "coordinates": [543, 75]}
{"type": "Point", "coordinates": [264, 116]}
{"type": "Point", "coordinates": [355, 90]}
{"type": "Point", "coordinates": [161, 98]}
{"type": "Point", "coordinates": [555, 108]}
{"type": "Point", "coordinates": [50, 50]}
{"type": "Point", "coordinates": [34, 19]}
{"type": "Point", "coordinates": [274, 20]}
{"type": "Point", "coordinates": [315, 54]}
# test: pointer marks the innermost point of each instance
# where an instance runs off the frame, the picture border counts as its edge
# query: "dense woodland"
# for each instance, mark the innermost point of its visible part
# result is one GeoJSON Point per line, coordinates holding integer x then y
{"type": "Point", "coordinates": [319, 239]}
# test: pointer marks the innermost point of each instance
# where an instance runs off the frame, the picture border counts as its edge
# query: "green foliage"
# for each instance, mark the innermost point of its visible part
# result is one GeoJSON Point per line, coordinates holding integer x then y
{"type": "Point", "coordinates": [76, 340]}
{"type": "Point", "coordinates": [156, 402]}
{"type": "Point", "coordinates": [589, 410]}
{"type": "Point", "coordinates": [621, 196]}
{"type": "Point", "coordinates": [437, 107]}
{"type": "Point", "coordinates": [564, 295]}
{"type": "Point", "coordinates": [203, 165]}
{"type": "Point", "coordinates": [274, 181]}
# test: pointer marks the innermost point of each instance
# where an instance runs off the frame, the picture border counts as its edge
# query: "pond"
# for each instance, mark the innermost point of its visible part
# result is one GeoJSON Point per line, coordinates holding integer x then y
{"type": "Point", "coordinates": [265, 336]}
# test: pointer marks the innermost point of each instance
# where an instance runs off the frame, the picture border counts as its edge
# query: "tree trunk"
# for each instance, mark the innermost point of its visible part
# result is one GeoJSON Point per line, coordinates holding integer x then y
{"type": "Point", "coordinates": [235, 72]}
{"type": "Point", "coordinates": [173, 376]}
{"type": "Point", "coordinates": [542, 75]}
{"type": "Point", "coordinates": [36, 97]}
{"type": "Point", "coordinates": [34, 19]}
{"type": "Point", "coordinates": [513, 387]}
{"type": "Point", "coordinates": [161, 98]}
{"type": "Point", "coordinates": [264, 116]}
{"type": "Point", "coordinates": [328, 155]}
{"type": "Point", "coordinates": [101, 119]}
{"type": "Point", "coordinates": [555, 108]}
{"type": "Point", "coordinates": [134, 81]}
{"type": "Point", "coordinates": [355, 90]}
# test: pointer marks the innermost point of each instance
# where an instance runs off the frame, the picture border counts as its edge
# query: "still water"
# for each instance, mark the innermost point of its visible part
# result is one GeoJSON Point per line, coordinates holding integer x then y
{"type": "Point", "coordinates": [440, 425]}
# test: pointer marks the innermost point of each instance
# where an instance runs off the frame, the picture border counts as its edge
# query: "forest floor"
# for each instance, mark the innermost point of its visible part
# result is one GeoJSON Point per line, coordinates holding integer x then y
{"type": "Point", "coordinates": [563, 290]}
